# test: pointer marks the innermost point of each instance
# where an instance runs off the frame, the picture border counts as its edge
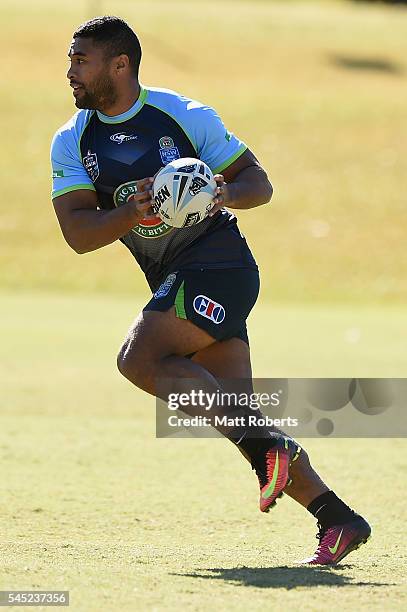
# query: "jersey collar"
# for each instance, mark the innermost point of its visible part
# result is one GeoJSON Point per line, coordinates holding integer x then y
{"type": "Point", "coordinates": [133, 110]}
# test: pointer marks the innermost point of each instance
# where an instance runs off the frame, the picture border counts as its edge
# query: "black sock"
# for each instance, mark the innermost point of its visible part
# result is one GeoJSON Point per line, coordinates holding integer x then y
{"type": "Point", "coordinates": [253, 441]}
{"type": "Point", "coordinates": [329, 510]}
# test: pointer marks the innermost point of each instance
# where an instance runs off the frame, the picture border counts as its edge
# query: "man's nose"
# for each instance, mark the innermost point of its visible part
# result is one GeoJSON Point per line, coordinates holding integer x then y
{"type": "Point", "coordinates": [70, 73]}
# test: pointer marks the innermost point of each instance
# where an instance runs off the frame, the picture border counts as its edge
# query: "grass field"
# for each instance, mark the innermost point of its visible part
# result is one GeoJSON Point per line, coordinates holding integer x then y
{"type": "Point", "coordinates": [91, 502]}
{"type": "Point", "coordinates": [317, 89]}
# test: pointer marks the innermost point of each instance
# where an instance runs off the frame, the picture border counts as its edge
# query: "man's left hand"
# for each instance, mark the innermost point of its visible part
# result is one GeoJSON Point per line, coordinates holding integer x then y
{"type": "Point", "coordinates": [221, 194]}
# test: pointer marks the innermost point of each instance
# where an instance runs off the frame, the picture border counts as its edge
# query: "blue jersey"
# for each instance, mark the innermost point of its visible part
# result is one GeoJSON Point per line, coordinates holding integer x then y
{"type": "Point", "coordinates": [108, 154]}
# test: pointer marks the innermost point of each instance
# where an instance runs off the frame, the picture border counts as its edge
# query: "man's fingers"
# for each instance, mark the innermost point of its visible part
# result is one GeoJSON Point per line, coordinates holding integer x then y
{"type": "Point", "coordinates": [215, 209]}
{"type": "Point", "coordinates": [146, 210]}
{"type": "Point", "coordinates": [221, 198]}
{"type": "Point", "coordinates": [145, 183]}
{"type": "Point", "coordinates": [151, 215]}
{"type": "Point", "coordinates": [142, 197]}
{"type": "Point", "coordinates": [144, 206]}
{"type": "Point", "coordinates": [219, 195]}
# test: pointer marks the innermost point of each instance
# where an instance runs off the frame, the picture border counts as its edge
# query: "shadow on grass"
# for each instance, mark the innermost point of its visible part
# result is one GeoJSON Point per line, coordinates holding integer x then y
{"type": "Point", "coordinates": [372, 64]}
{"type": "Point", "coordinates": [283, 577]}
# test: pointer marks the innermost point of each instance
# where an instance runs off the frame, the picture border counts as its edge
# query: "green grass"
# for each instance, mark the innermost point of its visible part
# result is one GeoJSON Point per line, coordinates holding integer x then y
{"type": "Point", "coordinates": [90, 501]}
{"type": "Point", "coordinates": [55, 343]}
{"type": "Point", "coordinates": [93, 503]}
{"type": "Point", "coordinates": [329, 136]}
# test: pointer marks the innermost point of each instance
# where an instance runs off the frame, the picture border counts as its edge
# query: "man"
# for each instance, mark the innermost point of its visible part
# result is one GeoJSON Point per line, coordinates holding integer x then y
{"type": "Point", "coordinates": [104, 160]}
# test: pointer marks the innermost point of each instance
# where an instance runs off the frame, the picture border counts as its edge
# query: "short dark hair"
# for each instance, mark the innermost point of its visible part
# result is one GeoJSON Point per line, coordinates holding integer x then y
{"type": "Point", "coordinates": [115, 35]}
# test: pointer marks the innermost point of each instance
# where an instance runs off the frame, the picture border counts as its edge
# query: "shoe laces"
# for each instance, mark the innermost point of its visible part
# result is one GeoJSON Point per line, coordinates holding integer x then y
{"type": "Point", "coordinates": [261, 473]}
{"type": "Point", "coordinates": [262, 467]}
{"type": "Point", "coordinates": [321, 532]}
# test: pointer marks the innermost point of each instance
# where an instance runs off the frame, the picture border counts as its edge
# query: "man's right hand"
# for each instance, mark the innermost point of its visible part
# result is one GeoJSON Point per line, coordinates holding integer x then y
{"type": "Point", "coordinates": [142, 201]}
{"type": "Point", "coordinates": [86, 227]}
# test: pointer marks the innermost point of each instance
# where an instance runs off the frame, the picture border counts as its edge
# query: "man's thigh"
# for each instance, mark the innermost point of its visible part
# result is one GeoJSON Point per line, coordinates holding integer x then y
{"type": "Point", "coordinates": [155, 335]}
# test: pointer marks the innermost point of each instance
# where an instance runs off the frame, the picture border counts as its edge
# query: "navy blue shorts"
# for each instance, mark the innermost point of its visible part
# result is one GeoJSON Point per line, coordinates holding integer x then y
{"type": "Point", "coordinates": [218, 301]}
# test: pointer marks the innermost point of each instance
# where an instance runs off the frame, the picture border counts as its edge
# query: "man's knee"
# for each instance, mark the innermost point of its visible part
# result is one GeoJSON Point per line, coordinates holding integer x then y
{"type": "Point", "coordinates": [122, 361]}
{"type": "Point", "coordinates": [133, 363]}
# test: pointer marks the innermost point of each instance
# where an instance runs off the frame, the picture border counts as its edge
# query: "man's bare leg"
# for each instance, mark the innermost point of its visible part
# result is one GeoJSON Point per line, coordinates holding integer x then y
{"type": "Point", "coordinates": [231, 360]}
{"type": "Point", "coordinates": [155, 347]}
{"type": "Point", "coordinates": [341, 531]}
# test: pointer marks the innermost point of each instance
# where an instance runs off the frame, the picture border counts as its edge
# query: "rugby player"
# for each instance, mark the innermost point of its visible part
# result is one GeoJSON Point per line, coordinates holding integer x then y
{"type": "Point", "coordinates": [104, 160]}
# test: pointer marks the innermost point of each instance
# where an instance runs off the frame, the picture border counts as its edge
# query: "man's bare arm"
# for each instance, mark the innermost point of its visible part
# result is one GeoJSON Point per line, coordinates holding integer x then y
{"type": "Point", "coordinates": [86, 228]}
{"type": "Point", "coordinates": [244, 184]}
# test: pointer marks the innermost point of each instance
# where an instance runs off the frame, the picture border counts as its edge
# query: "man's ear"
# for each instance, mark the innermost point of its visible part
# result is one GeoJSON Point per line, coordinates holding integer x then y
{"type": "Point", "coordinates": [122, 63]}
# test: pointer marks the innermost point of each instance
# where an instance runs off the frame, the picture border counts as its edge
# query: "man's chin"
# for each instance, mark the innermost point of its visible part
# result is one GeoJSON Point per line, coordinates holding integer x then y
{"type": "Point", "coordinates": [83, 102]}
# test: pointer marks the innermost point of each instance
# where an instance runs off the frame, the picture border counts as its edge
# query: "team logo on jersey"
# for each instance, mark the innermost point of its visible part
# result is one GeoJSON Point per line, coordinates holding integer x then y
{"type": "Point", "coordinates": [164, 289]}
{"type": "Point", "coordinates": [120, 138]}
{"type": "Point", "coordinates": [168, 150]}
{"type": "Point", "coordinates": [90, 162]}
{"type": "Point", "coordinates": [166, 142]}
{"type": "Point", "coordinates": [147, 228]}
{"type": "Point", "coordinates": [209, 309]}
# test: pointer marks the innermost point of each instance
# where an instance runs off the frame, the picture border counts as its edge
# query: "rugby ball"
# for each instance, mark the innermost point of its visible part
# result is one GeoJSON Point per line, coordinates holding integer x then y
{"type": "Point", "coordinates": [183, 192]}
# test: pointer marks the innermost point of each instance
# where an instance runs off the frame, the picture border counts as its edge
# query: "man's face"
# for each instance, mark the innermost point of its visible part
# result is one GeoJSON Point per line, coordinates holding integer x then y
{"type": "Point", "coordinates": [89, 75]}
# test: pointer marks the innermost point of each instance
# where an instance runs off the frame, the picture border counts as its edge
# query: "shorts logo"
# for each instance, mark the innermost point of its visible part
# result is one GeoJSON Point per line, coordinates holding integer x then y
{"type": "Point", "coordinates": [147, 228]}
{"type": "Point", "coordinates": [168, 150]}
{"type": "Point", "coordinates": [58, 174]}
{"type": "Point", "coordinates": [165, 287]}
{"type": "Point", "coordinates": [90, 162]}
{"type": "Point", "coordinates": [121, 137]}
{"type": "Point", "coordinates": [209, 309]}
